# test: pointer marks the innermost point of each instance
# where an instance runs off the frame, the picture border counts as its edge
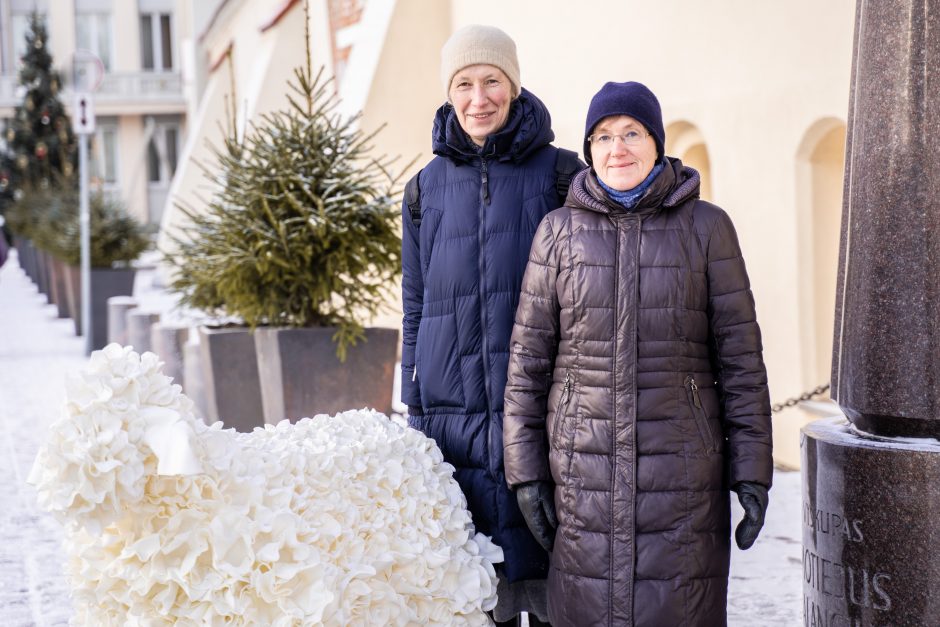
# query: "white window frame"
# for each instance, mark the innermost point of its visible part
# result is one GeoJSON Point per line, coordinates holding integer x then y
{"type": "Point", "coordinates": [156, 41]}
{"type": "Point", "coordinates": [159, 139]}
{"type": "Point", "coordinates": [96, 21]}
{"type": "Point", "coordinates": [98, 154]}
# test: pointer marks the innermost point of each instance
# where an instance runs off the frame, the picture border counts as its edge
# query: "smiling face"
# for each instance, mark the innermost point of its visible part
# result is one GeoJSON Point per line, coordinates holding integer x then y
{"type": "Point", "coordinates": [619, 166]}
{"type": "Point", "coordinates": [481, 95]}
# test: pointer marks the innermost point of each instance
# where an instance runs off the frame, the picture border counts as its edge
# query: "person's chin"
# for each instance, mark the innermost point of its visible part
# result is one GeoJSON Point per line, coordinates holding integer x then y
{"type": "Point", "coordinates": [623, 184]}
{"type": "Point", "coordinates": [482, 130]}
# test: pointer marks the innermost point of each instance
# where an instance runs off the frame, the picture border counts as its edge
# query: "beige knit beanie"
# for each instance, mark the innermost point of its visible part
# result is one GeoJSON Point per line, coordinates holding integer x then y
{"type": "Point", "coordinates": [475, 44]}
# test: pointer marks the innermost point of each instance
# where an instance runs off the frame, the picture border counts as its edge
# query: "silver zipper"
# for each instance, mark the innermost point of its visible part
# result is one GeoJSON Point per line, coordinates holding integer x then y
{"type": "Point", "coordinates": [701, 419]}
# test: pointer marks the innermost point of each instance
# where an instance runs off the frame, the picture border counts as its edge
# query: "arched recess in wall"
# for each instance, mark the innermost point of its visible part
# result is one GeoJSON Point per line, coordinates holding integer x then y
{"type": "Point", "coordinates": [820, 171]}
{"type": "Point", "coordinates": [685, 141]}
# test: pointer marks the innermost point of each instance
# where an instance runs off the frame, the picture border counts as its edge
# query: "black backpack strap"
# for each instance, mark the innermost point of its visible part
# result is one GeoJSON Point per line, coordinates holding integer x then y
{"type": "Point", "coordinates": [413, 199]}
{"type": "Point", "coordinates": [567, 165]}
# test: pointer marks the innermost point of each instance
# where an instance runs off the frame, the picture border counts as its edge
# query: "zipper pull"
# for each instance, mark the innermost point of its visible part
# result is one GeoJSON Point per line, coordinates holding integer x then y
{"type": "Point", "coordinates": [564, 391]}
{"type": "Point", "coordinates": [414, 374]}
{"type": "Point", "coordinates": [695, 398]}
{"type": "Point", "coordinates": [486, 185]}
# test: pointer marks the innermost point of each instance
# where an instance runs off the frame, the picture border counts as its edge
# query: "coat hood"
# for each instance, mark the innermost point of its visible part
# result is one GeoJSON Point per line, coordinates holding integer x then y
{"type": "Point", "coordinates": [676, 184]}
{"type": "Point", "coordinates": [528, 128]}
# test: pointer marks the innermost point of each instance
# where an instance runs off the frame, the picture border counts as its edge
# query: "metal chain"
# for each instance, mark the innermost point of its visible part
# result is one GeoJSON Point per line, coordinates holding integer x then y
{"type": "Point", "coordinates": [805, 396]}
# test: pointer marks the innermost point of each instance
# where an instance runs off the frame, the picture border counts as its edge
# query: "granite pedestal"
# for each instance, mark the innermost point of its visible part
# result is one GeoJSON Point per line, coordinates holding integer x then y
{"type": "Point", "coordinates": [871, 542]}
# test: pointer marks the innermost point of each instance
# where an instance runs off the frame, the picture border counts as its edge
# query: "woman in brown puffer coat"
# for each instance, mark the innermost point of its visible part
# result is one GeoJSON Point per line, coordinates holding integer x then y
{"type": "Point", "coordinates": [637, 394]}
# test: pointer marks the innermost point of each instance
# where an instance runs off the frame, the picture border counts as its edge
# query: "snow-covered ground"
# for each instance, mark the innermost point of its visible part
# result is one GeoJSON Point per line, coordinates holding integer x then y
{"type": "Point", "coordinates": [37, 350]}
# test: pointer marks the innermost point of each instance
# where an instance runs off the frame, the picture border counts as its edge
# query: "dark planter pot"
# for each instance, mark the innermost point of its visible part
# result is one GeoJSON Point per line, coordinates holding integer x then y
{"type": "Point", "coordinates": [24, 254]}
{"type": "Point", "coordinates": [230, 377]}
{"type": "Point", "coordinates": [42, 272]}
{"type": "Point", "coordinates": [57, 286]}
{"type": "Point", "coordinates": [301, 375]}
{"type": "Point", "coordinates": [105, 283]}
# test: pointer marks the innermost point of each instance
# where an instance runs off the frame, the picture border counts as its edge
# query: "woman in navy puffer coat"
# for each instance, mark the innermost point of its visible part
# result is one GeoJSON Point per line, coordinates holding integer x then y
{"type": "Point", "coordinates": [481, 200]}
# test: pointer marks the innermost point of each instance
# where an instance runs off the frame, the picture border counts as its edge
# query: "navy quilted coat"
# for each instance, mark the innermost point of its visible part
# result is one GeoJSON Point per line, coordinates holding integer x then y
{"type": "Point", "coordinates": [461, 274]}
{"type": "Point", "coordinates": [637, 386]}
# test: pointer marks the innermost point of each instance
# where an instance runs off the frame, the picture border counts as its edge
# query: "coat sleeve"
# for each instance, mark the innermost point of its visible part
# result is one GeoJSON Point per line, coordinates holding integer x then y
{"type": "Point", "coordinates": [412, 296]}
{"type": "Point", "coordinates": [533, 347]}
{"type": "Point", "coordinates": [738, 354]}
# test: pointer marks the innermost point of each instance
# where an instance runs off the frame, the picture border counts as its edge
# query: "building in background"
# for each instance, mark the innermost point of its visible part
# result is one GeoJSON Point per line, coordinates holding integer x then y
{"type": "Point", "coordinates": [754, 95]}
{"type": "Point", "coordinates": [141, 104]}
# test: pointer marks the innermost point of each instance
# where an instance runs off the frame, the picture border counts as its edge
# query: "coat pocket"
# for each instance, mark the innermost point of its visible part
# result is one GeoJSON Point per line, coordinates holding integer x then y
{"type": "Point", "coordinates": [700, 415]}
{"type": "Point", "coordinates": [437, 358]}
{"type": "Point", "coordinates": [561, 410]}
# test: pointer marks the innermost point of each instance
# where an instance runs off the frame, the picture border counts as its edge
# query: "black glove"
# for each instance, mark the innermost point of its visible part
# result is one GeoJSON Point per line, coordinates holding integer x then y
{"type": "Point", "coordinates": [753, 498]}
{"type": "Point", "coordinates": [537, 501]}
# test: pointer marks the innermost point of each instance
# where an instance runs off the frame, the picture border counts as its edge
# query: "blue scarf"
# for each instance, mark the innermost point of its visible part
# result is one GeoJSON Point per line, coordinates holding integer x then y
{"type": "Point", "coordinates": [631, 197]}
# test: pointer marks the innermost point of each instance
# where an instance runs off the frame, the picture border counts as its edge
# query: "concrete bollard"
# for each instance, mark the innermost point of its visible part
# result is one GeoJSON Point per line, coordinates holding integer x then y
{"type": "Point", "coordinates": [167, 340]}
{"type": "Point", "coordinates": [195, 386]}
{"type": "Point", "coordinates": [118, 306]}
{"type": "Point", "coordinates": [139, 322]}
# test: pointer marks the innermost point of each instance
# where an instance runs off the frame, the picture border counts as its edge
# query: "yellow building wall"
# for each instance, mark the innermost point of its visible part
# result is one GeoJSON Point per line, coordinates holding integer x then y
{"type": "Point", "coordinates": [751, 77]}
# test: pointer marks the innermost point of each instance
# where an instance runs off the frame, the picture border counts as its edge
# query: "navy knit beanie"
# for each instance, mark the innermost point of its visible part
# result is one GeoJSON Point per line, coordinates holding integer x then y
{"type": "Point", "coordinates": [633, 99]}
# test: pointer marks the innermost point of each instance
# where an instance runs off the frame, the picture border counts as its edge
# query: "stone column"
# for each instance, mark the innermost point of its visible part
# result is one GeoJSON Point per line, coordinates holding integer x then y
{"type": "Point", "coordinates": [886, 357]}
{"type": "Point", "coordinates": [871, 488]}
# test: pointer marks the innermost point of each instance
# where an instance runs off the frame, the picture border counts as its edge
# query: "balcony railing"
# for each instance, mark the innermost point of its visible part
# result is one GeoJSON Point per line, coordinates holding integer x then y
{"type": "Point", "coordinates": [141, 86]}
{"type": "Point", "coordinates": [119, 87]}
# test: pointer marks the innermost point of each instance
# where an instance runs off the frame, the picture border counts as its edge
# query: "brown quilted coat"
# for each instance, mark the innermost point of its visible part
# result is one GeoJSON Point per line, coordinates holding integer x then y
{"type": "Point", "coordinates": [636, 384]}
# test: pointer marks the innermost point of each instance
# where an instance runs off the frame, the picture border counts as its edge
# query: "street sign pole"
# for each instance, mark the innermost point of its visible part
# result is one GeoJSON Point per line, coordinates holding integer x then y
{"type": "Point", "coordinates": [87, 74]}
{"type": "Point", "coordinates": [85, 220]}
{"type": "Point", "coordinates": [83, 123]}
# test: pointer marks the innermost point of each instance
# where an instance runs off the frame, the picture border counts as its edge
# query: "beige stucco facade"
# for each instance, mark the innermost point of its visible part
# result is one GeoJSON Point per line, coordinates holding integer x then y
{"type": "Point", "coordinates": [134, 105]}
{"type": "Point", "coordinates": [754, 94]}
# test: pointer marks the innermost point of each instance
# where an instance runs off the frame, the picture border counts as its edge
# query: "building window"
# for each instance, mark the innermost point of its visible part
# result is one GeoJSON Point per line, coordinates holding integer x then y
{"type": "Point", "coordinates": [104, 166]}
{"type": "Point", "coordinates": [156, 41]}
{"type": "Point", "coordinates": [93, 32]}
{"type": "Point", "coordinates": [162, 151]}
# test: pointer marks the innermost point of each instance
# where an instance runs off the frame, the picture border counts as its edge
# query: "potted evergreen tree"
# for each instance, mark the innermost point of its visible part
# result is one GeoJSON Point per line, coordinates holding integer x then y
{"type": "Point", "coordinates": [300, 244]}
{"type": "Point", "coordinates": [117, 240]}
{"type": "Point", "coordinates": [39, 158]}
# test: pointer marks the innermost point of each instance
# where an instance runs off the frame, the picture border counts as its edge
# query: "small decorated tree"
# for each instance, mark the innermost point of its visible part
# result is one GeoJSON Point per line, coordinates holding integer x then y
{"type": "Point", "coordinates": [39, 137]}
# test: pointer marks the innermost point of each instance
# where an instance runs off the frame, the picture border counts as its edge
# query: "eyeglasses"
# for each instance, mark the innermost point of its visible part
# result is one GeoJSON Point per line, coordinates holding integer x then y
{"type": "Point", "coordinates": [630, 138]}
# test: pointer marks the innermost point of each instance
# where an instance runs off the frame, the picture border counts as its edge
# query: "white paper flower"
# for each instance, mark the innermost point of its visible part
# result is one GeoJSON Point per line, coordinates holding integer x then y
{"type": "Point", "coordinates": [350, 519]}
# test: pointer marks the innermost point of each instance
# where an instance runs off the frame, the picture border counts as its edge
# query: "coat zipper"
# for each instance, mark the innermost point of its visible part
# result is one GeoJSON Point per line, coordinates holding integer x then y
{"type": "Point", "coordinates": [485, 180]}
{"type": "Point", "coordinates": [613, 428]}
{"type": "Point", "coordinates": [701, 418]}
{"type": "Point", "coordinates": [636, 395]}
{"type": "Point", "coordinates": [481, 237]}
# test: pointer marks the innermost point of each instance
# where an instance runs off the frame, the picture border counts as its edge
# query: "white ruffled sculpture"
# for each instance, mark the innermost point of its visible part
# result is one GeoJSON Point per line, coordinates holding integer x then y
{"type": "Point", "coordinates": [350, 519]}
